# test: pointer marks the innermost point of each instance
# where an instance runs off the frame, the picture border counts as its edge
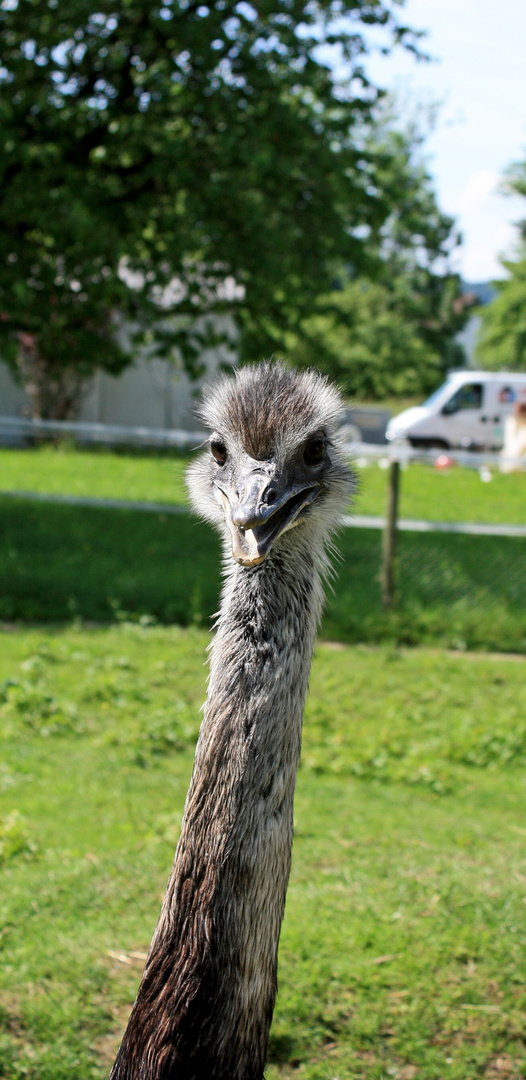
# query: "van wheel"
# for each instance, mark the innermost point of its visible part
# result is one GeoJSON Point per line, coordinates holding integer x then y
{"type": "Point", "coordinates": [429, 444]}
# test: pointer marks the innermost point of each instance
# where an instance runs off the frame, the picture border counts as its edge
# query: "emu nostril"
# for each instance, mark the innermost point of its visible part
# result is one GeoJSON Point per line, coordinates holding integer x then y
{"type": "Point", "coordinates": [271, 497]}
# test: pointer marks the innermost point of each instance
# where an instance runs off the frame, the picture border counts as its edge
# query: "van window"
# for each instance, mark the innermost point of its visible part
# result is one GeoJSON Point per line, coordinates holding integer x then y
{"type": "Point", "coordinates": [468, 396]}
{"type": "Point", "coordinates": [507, 395]}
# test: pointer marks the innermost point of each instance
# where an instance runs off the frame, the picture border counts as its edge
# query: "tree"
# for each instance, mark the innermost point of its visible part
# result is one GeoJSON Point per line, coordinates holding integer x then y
{"type": "Point", "coordinates": [502, 342]}
{"type": "Point", "coordinates": [394, 333]}
{"type": "Point", "coordinates": [417, 242]}
{"type": "Point", "coordinates": [358, 337]}
{"type": "Point", "coordinates": [193, 156]}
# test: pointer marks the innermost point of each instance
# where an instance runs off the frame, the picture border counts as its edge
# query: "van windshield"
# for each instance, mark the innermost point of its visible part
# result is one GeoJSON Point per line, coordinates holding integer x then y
{"type": "Point", "coordinates": [468, 396]}
{"type": "Point", "coordinates": [436, 395]}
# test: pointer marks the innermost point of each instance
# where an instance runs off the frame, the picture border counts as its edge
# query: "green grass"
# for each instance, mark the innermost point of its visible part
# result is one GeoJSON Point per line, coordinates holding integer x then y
{"type": "Point", "coordinates": [455, 495]}
{"type": "Point", "coordinates": [60, 562]}
{"type": "Point", "coordinates": [63, 470]}
{"type": "Point", "coordinates": [403, 947]}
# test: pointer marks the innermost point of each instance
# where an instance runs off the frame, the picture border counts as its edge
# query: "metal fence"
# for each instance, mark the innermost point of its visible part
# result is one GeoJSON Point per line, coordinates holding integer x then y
{"type": "Point", "coordinates": [17, 431]}
{"type": "Point", "coordinates": [396, 456]}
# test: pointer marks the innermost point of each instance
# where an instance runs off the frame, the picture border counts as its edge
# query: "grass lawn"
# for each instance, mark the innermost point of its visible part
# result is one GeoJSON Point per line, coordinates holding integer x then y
{"type": "Point", "coordinates": [403, 951]}
{"type": "Point", "coordinates": [63, 470]}
{"type": "Point", "coordinates": [455, 495]}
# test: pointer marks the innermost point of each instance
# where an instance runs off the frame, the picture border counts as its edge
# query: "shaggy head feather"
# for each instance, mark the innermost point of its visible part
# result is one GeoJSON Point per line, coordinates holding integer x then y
{"type": "Point", "coordinates": [264, 417]}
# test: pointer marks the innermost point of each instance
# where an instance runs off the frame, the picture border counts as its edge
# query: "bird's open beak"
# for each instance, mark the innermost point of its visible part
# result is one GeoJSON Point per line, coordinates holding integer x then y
{"type": "Point", "coordinates": [261, 512]}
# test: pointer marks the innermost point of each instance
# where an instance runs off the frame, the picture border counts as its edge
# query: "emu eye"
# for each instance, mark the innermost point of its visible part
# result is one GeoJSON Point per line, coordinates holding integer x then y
{"type": "Point", "coordinates": [314, 452]}
{"type": "Point", "coordinates": [218, 449]}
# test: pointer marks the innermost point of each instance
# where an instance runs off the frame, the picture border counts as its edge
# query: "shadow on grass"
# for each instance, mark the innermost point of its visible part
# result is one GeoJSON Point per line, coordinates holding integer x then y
{"type": "Point", "coordinates": [61, 562]}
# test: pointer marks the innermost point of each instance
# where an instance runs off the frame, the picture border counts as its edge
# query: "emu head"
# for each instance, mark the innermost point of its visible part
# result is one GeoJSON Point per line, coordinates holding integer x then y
{"type": "Point", "coordinates": [273, 463]}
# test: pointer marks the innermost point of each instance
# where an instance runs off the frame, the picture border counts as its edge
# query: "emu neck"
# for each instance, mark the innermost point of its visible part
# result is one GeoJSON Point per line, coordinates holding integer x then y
{"type": "Point", "coordinates": [205, 1003]}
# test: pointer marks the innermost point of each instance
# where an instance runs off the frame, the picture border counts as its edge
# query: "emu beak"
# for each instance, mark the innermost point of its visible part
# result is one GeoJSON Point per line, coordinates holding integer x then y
{"type": "Point", "coordinates": [262, 513]}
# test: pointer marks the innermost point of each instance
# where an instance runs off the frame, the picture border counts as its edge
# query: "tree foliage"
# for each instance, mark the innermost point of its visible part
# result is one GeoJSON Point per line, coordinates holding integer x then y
{"type": "Point", "coordinates": [358, 336]}
{"type": "Point", "coordinates": [393, 335]}
{"type": "Point", "coordinates": [502, 342]}
{"type": "Point", "coordinates": [189, 156]}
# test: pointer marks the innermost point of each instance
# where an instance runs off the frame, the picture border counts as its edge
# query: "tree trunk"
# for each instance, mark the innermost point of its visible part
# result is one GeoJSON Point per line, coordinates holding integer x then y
{"type": "Point", "coordinates": [54, 391]}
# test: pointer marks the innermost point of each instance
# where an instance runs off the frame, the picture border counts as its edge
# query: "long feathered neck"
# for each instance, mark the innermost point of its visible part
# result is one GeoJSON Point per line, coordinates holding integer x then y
{"type": "Point", "coordinates": [207, 995]}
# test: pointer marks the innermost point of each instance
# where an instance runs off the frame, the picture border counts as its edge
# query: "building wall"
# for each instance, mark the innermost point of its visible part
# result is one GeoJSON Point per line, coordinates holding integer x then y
{"type": "Point", "coordinates": [151, 392]}
{"type": "Point", "coordinates": [13, 401]}
{"type": "Point", "coordinates": [468, 337]}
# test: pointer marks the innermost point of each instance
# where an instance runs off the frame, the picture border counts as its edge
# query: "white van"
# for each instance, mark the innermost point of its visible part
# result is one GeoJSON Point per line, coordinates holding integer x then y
{"type": "Point", "coordinates": [467, 411]}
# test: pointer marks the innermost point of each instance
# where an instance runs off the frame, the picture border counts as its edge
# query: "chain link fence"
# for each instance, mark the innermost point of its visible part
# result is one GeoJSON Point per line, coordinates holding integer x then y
{"type": "Point", "coordinates": [461, 582]}
{"type": "Point", "coordinates": [403, 579]}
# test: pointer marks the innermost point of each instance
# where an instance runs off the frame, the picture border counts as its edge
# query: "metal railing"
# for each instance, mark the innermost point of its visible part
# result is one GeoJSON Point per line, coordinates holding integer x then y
{"type": "Point", "coordinates": [403, 452]}
{"type": "Point", "coordinates": [24, 430]}
{"type": "Point", "coordinates": [19, 430]}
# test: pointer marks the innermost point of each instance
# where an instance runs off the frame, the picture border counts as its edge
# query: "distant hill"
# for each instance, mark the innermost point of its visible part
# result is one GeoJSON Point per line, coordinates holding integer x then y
{"type": "Point", "coordinates": [484, 291]}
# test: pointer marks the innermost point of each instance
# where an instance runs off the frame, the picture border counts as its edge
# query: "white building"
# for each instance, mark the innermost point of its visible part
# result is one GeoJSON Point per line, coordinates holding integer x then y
{"type": "Point", "coordinates": [150, 393]}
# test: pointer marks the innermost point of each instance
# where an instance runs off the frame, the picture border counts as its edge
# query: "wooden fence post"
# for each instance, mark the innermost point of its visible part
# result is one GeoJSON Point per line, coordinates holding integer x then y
{"type": "Point", "coordinates": [389, 537]}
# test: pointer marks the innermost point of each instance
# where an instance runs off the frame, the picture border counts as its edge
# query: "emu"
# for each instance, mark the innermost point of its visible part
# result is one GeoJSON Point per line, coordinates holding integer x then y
{"type": "Point", "coordinates": [275, 484]}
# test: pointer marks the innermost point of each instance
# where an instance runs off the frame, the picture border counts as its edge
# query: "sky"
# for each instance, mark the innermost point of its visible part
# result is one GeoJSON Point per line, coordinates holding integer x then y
{"type": "Point", "coordinates": [479, 80]}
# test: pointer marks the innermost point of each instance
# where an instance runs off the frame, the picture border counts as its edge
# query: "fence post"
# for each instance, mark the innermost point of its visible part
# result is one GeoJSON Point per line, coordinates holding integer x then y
{"type": "Point", "coordinates": [389, 536]}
